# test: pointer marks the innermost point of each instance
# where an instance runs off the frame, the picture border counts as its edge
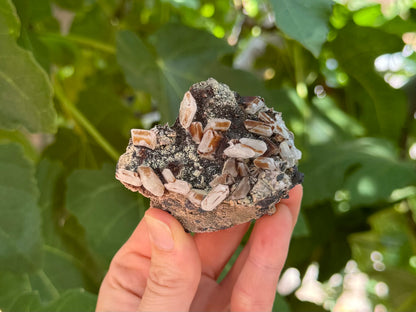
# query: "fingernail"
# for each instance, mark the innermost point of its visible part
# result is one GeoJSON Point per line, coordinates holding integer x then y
{"type": "Point", "coordinates": [159, 234]}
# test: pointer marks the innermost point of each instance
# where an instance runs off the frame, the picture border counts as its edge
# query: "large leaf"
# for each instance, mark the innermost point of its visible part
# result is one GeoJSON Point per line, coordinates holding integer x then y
{"type": "Point", "coordinates": [391, 237]}
{"type": "Point", "coordinates": [93, 23]}
{"type": "Point", "coordinates": [31, 15]}
{"type": "Point", "coordinates": [18, 294]}
{"type": "Point", "coordinates": [20, 230]}
{"type": "Point", "coordinates": [328, 122]}
{"type": "Point", "coordinates": [108, 212]}
{"type": "Point", "coordinates": [25, 91]}
{"type": "Point", "coordinates": [326, 242]}
{"type": "Point", "coordinates": [367, 169]}
{"type": "Point", "coordinates": [11, 286]}
{"type": "Point", "coordinates": [113, 120]}
{"type": "Point", "coordinates": [243, 82]}
{"type": "Point", "coordinates": [356, 48]}
{"type": "Point", "coordinates": [18, 137]}
{"type": "Point", "coordinates": [387, 236]}
{"type": "Point", "coordinates": [304, 20]}
{"type": "Point", "coordinates": [67, 263]}
{"type": "Point", "coordinates": [75, 150]}
{"type": "Point", "coordinates": [25, 302]}
{"type": "Point", "coordinates": [32, 11]}
{"type": "Point", "coordinates": [182, 56]}
{"type": "Point", "coordinates": [72, 300]}
{"type": "Point", "coordinates": [9, 17]}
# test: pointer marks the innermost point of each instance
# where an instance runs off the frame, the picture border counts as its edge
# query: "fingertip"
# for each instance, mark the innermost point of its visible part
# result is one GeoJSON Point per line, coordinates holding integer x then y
{"type": "Point", "coordinates": [159, 214]}
{"type": "Point", "coordinates": [298, 189]}
{"type": "Point", "coordinates": [160, 233]}
{"type": "Point", "coordinates": [293, 202]}
{"type": "Point", "coordinates": [182, 240]}
{"type": "Point", "coordinates": [165, 217]}
{"type": "Point", "coordinates": [255, 285]}
{"type": "Point", "coordinates": [275, 225]}
{"type": "Point", "coordinates": [295, 194]}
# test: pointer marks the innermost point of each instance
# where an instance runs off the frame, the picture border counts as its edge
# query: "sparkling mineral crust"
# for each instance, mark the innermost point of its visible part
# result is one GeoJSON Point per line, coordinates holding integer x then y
{"type": "Point", "coordinates": [228, 159]}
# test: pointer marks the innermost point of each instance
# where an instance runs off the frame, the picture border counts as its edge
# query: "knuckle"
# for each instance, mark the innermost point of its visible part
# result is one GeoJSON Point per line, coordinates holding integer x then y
{"type": "Point", "coordinates": [166, 278]}
{"type": "Point", "coordinates": [271, 269]}
{"type": "Point", "coordinates": [245, 300]}
{"type": "Point", "coordinates": [125, 275]}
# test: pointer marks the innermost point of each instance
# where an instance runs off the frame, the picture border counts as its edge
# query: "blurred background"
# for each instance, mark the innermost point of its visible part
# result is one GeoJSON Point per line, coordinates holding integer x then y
{"type": "Point", "coordinates": [76, 76]}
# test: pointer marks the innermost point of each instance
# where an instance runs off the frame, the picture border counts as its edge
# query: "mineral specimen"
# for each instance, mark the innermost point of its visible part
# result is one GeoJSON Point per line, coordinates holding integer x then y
{"type": "Point", "coordinates": [228, 159]}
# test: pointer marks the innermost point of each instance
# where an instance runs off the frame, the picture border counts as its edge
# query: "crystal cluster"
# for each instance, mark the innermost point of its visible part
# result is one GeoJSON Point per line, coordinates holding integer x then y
{"type": "Point", "coordinates": [227, 160]}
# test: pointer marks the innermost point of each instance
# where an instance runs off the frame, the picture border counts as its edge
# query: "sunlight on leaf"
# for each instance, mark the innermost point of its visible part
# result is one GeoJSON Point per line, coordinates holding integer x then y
{"type": "Point", "coordinates": [357, 59]}
{"type": "Point", "coordinates": [305, 21]}
{"type": "Point", "coordinates": [366, 168]}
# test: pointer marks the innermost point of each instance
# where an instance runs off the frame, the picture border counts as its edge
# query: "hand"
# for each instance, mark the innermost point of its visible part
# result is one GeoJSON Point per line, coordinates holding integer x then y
{"type": "Point", "coordinates": [162, 268]}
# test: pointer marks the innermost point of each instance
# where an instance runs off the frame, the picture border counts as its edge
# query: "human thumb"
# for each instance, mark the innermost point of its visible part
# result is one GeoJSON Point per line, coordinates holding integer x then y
{"type": "Point", "coordinates": [175, 266]}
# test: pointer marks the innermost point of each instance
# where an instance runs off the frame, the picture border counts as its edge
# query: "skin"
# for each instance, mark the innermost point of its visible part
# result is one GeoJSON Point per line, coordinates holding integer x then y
{"type": "Point", "coordinates": [162, 268]}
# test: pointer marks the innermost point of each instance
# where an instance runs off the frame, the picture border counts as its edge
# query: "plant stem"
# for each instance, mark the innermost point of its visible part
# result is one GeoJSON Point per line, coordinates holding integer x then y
{"type": "Point", "coordinates": [84, 122]}
{"type": "Point", "coordinates": [48, 283]}
{"type": "Point", "coordinates": [81, 40]}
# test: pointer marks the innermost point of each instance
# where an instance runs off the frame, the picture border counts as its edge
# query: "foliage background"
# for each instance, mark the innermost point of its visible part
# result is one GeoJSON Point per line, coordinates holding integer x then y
{"type": "Point", "coordinates": [75, 76]}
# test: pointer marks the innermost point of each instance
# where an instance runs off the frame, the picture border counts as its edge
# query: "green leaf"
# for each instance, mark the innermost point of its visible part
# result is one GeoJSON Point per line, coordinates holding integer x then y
{"type": "Point", "coordinates": [178, 58]}
{"type": "Point", "coordinates": [399, 26]}
{"type": "Point", "coordinates": [241, 81]}
{"type": "Point", "coordinates": [11, 286]}
{"type": "Point", "coordinates": [93, 23]}
{"type": "Point", "coordinates": [75, 150]}
{"type": "Point", "coordinates": [329, 123]}
{"type": "Point", "coordinates": [113, 120]}
{"type": "Point", "coordinates": [388, 236]}
{"type": "Point", "coordinates": [25, 90]}
{"type": "Point", "coordinates": [138, 63]}
{"type": "Point", "coordinates": [409, 302]}
{"type": "Point", "coordinates": [369, 16]}
{"type": "Point", "coordinates": [67, 262]}
{"type": "Point", "coordinates": [304, 20]}
{"type": "Point", "coordinates": [72, 300]}
{"type": "Point", "coordinates": [367, 169]}
{"type": "Point", "coordinates": [386, 110]}
{"type": "Point", "coordinates": [20, 230]}
{"type": "Point", "coordinates": [22, 140]}
{"type": "Point", "coordinates": [9, 17]}
{"type": "Point", "coordinates": [280, 304]}
{"type": "Point", "coordinates": [61, 51]}
{"type": "Point", "coordinates": [326, 242]}
{"type": "Point", "coordinates": [18, 294]}
{"type": "Point", "coordinates": [33, 14]}
{"type": "Point", "coordinates": [26, 302]}
{"type": "Point", "coordinates": [192, 4]}
{"type": "Point", "coordinates": [301, 229]}
{"type": "Point", "coordinates": [30, 11]}
{"type": "Point", "coordinates": [391, 236]}
{"type": "Point", "coordinates": [108, 212]}
{"type": "Point", "coordinates": [72, 5]}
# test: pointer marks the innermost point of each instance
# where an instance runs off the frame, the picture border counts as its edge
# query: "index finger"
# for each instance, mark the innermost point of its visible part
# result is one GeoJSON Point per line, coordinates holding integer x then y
{"type": "Point", "coordinates": [125, 281]}
{"type": "Point", "coordinates": [253, 278]}
{"type": "Point", "coordinates": [293, 202]}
